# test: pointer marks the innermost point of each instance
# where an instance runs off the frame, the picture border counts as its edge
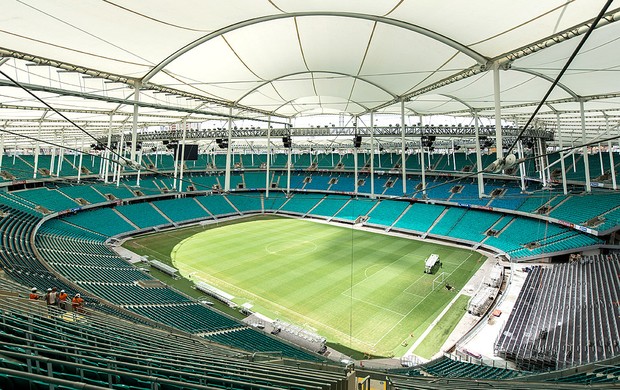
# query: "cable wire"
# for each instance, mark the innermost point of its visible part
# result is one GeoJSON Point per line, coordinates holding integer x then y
{"type": "Point", "coordinates": [559, 76]}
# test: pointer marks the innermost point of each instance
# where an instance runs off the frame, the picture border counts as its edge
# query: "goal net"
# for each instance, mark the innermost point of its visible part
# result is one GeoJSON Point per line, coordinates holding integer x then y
{"type": "Point", "coordinates": [439, 280]}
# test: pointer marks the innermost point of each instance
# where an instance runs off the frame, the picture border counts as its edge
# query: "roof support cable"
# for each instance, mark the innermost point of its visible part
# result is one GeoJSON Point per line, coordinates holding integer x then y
{"type": "Point", "coordinates": [501, 163]}
{"type": "Point", "coordinates": [17, 83]}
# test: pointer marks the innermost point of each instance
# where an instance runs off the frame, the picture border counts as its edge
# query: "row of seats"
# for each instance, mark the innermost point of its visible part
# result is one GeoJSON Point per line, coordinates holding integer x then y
{"type": "Point", "coordinates": [449, 368]}
{"type": "Point", "coordinates": [565, 315]}
{"type": "Point", "coordinates": [420, 217]}
{"type": "Point", "coordinates": [600, 208]}
{"type": "Point", "coordinates": [91, 265]}
{"type": "Point", "coordinates": [22, 166]}
{"type": "Point", "coordinates": [39, 350]}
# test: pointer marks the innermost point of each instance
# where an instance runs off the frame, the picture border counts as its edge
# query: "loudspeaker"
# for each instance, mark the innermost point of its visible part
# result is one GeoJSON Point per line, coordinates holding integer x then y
{"type": "Point", "coordinates": [357, 141]}
{"type": "Point", "coordinates": [221, 143]}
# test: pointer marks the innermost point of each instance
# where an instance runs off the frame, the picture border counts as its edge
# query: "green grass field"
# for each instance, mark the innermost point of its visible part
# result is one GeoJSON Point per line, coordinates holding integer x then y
{"type": "Point", "coordinates": [362, 290]}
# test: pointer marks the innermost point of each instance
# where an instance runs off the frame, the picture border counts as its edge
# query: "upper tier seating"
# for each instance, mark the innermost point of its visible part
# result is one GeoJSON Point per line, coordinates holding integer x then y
{"type": "Point", "coordinates": [48, 198]}
{"type": "Point", "coordinates": [142, 215]}
{"type": "Point", "coordinates": [113, 223]}
{"type": "Point", "coordinates": [181, 209]}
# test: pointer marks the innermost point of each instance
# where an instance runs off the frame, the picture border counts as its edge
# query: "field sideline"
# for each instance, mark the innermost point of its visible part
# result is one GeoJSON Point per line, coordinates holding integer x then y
{"type": "Point", "coordinates": [363, 290]}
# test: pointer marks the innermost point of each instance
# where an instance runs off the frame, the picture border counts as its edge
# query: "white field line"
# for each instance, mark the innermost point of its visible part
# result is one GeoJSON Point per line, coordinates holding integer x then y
{"type": "Point", "coordinates": [375, 305]}
{"type": "Point", "coordinates": [416, 281]}
{"type": "Point", "coordinates": [432, 325]}
{"type": "Point", "coordinates": [231, 287]}
{"type": "Point", "coordinates": [410, 311]}
{"type": "Point", "coordinates": [381, 269]}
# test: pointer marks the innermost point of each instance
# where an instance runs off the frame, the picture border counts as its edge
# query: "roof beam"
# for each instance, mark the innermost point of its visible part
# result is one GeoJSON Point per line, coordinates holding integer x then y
{"type": "Point", "coordinates": [547, 78]}
{"type": "Point", "coordinates": [463, 102]}
{"type": "Point", "coordinates": [506, 58]}
{"type": "Point", "coordinates": [532, 104]}
{"type": "Point", "coordinates": [128, 102]}
{"type": "Point", "coordinates": [479, 58]}
{"type": "Point", "coordinates": [315, 71]}
{"type": "Point", "coordinates": [116, 78]}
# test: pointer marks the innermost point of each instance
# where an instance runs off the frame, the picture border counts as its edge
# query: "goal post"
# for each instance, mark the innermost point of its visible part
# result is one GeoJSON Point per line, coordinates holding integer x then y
{"type": "Point", "coordinates": [439, 280]}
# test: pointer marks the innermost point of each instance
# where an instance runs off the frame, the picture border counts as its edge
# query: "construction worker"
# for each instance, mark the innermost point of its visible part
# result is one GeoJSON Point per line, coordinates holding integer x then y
{"type": "Point", "coordinates": [77, 303]}
{"type": "Point", "coordinates": [47, 295]}
{"type": "Point", "coordinates": [50, 301]}
{"type": "Point", "coordinates": [51, 296]}
{"type": "Point", "coordinates": [33, 293]}
{"type": "Point", "coordinates": [62, 300]}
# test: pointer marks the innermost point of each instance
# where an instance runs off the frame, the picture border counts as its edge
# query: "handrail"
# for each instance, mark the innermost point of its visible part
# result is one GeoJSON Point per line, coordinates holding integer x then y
{"type": "Point", "coordinates": [48, 379]}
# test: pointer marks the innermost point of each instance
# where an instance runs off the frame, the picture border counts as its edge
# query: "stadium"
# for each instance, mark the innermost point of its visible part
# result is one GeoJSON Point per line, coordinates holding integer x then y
{"type": "Point", "coordinates": [309, 195]}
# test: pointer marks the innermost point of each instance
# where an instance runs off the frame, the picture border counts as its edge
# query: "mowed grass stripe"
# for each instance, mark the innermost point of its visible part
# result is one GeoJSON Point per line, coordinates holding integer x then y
{"type": "Point", "coordinates": [440, 333]}
{"type": "Point", "coordinates": [302, 271]}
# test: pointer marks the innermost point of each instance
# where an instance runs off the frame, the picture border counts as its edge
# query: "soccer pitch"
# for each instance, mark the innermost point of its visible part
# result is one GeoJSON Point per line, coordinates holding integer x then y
{"type": "Point", "coordinates": [363, 290]}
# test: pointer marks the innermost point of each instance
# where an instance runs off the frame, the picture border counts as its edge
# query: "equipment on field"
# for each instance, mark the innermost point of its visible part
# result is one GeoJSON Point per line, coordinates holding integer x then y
{"type": "Point", "coordinates": [432, 264]}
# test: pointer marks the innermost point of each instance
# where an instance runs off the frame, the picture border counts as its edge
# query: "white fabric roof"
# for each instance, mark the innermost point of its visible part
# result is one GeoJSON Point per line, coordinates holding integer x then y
{"type": "Point", "coordinates": [194, 59]}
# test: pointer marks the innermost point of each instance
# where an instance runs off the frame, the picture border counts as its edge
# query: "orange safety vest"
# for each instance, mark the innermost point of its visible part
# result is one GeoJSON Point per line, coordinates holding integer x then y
{"type": "Point", "coordinates": [77, 301]}
{"type": "Point", "coordinates": [62, 297]}
{"type": "Point", "coordinates": [34, 296]}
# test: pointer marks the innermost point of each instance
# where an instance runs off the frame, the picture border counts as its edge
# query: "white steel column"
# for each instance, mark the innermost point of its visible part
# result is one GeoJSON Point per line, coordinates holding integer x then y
{"type": "Point", "coordinates": [80, 163]}
{"type": "Point", "coordinates": [355, 162]}
{"type": "Point", "coordinates": [355, 187]}
{"type": "Point", "coordinates": [521, 165]}
{"type": "Point", "coordinates": [478, 157]}
{"type": "Point", "coordinates": [423, 169]}
{"type": "Point", "coordinates": [600, 157]}
{"type": "Point", "coordinates": [61, 153]}
{"type": "Point", "coordinates": [402, 146]}
{"type": "Point", "coordinates": [36, 153]}
{"type": "Point", "coordinates": [113, 167]}
{"type": "Point", "coordinates": [609, 150]}
{"type": "Point", "coordinates": [562, 162]}
{"type": "Point", "coordinates": [541, 166]}
{"type": "Point", "coordinates": [498, 113]}
{"type": "Point", "coordinates": [267, 181]}
{"type": "Point", "coordinates": [53, 154]}
{"type": "Point", "coordinates": [453, 157]}
{"type": "Point", "coordinates": [175, 175]}
{"type": "Point", "coordinates": [288, 168]}
{"type": "Point", "coordinates": [108, 153]}
{"type": "Point", "coordinates": [139, 167]}
{"type": "Point", "coordinates": [121, 155]}
{"type": "Point", "coordinates": [1, 149]}
{"type": "Point", "coordinates": [572, 144]}
{"type": "Point", "coordinates": [228, 150]}
{"type": "Point", "coordinates": [422, 163]}
{"type": "Point", "coordinates": [134, 128]}
{"type": "Point", "coordinates": [372, 155]}
{"type": "Point", "coordinates": [288, 172]}
{"type": "Point", "coordinates": [586, 162]}
{"type": "Point", "coordinates": [184, 124]}
{"type": "Point", "coordinates": [267, 185]}
{"type": "Point", "coordinates": [101, 163]}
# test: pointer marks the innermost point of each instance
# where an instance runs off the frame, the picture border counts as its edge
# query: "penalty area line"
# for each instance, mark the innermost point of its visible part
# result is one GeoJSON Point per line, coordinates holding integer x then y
{"type": "Point", "coordinates": [373, 304]}
{"type": "Point", "coordinates": [418, 304]}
